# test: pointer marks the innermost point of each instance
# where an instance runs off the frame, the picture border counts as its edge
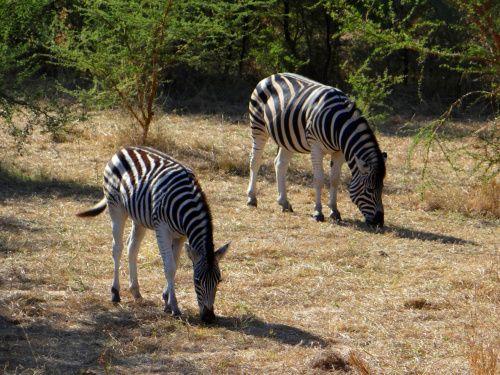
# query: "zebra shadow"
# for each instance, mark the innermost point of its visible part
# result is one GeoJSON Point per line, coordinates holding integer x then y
{"type": "Point", "coordinates": [407, 233]}
{"type": "Point", "coordinates": [250, 325]}
{"type": "Point", "coordinates": [18, 187]}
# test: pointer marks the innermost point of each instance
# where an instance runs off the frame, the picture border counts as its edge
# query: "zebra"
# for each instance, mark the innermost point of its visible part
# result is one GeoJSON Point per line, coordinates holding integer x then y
{"type": "Point", "coordinates": [304, 116]}
{"type": "Point", "coordinates": [157, 192]}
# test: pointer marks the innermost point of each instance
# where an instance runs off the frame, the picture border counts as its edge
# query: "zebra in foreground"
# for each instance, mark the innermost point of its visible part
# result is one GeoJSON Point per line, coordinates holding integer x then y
{"type": "Point", "coordinates": [304, 116]}
{"type": "Point", "coordinates": [159, 193]}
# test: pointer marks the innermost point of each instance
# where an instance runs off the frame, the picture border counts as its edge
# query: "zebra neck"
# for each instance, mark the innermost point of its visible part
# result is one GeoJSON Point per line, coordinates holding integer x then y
{"type": "Point", "coordinates": [356, 138]}
{"type": "Point", "coordinates": [200, 237]}
{"type": "Point", "coordinates": [371, 155]}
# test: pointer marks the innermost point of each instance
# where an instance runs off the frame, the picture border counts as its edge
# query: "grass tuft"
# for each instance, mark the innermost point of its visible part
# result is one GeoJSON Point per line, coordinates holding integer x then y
{"type": "Point", "coordinates": [359, 364]}
{"type": "Point", "coordinates": [478, 199]}
{"type": "Point", "coordinates": [330, 360]}
{"type": "Point", "coordinates": [417, 304]}
{"type": "Point", "coordinates": [483, 358]}
{"type": "Point", "coordinates": [482, 352]}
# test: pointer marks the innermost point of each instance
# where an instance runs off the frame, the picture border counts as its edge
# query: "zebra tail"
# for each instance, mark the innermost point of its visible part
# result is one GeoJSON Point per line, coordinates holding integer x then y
{"type": "Point", "coordinates": [94, 211]}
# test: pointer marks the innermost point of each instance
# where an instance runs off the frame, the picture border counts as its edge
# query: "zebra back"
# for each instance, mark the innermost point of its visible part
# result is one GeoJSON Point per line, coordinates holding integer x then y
{"type": "Point", "coordinates": [285, 105]}
{"type": "Point", "coordinates": [296, 111]}
{"type": "Point", "coordinates": [156, 189]}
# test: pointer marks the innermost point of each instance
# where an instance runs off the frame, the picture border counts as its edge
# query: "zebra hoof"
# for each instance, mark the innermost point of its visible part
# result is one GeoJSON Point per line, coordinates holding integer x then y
{"type": "Point", "coordinates": [287, 208]}
{"type": "Point", "coordinates": [319, 217]}
{"type": "Point", "coordinates": [377, 220]}
{"type": "Point", "coordinates": [172, 310]}
{"type": "Point", "coordinates": [252, 202]}
{"type": "Point", "coordinates": [335, 216]}
{"type": "Point", "coordinates": [115, 298]}
{"type": "Point", "coordinates": [137, 295]}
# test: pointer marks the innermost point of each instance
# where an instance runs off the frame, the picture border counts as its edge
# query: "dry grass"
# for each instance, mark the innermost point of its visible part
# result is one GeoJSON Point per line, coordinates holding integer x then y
{"type": "Point", "coordinates": [420, 296]}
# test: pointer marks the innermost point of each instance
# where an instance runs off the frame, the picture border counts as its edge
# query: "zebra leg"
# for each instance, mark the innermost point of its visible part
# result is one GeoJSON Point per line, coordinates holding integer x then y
{"type": "Point", "coordinates": [281, 164]}
{"type": "Point", "coordinates": [134, 243]}
{"type": "Point", "coordinates": [335, 168]}
{"type": "Point", "coordinates": [177, 245]}
{"type": "Point", "coordinates": [319, 179]}
{"type": "Point", "coordinates": [255, 161]}
{"type": "Point", "coordinates": [164, 239]}
{"type": "Point", "coordinates": [118, 219]}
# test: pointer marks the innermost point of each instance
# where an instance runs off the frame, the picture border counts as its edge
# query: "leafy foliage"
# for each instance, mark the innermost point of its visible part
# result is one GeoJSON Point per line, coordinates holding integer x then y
{"type": "Point", "coordinates": [371, 92]}
{"type": "Point", "coordinates": [125, 46]}
{"type": "Point", "coordinates": [445, 54]}
{"type": "Point", "coordinates": [399, 26]}
{"type": "Point", "coordinates": [23, 34]}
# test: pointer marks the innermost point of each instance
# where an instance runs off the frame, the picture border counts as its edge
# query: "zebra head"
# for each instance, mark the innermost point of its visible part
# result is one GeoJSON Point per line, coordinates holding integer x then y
{"type": "Point", "coordinates": [206, 277]}
{"type": "Point", "coordinates": [366, 188]}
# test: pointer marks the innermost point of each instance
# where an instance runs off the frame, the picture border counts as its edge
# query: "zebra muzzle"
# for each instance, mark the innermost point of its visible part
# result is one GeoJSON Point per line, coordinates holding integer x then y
{"type": "Point", "coordinates": [377, 219]}
{"type": "Point", "coordinates": [207, 314]}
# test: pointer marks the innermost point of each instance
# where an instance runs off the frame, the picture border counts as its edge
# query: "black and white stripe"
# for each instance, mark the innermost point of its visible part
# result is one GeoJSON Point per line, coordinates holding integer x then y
{"type": "Point", "coordinates": [159, 193]}
{"type": "Point", "coordinates": [304, 116]}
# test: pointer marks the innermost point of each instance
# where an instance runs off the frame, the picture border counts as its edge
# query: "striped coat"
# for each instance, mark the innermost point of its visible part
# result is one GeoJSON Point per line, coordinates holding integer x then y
{"type": "Point", "coordinates": [159, 193]}
{"type": "Point", "coordinates": [304, 116]}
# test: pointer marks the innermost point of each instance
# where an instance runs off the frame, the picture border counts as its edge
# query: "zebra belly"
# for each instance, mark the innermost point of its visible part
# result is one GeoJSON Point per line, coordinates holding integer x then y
{"type": "Point", "coordinates": [294, 149]}
{"type": "Point", "coordinates": [327, 148]}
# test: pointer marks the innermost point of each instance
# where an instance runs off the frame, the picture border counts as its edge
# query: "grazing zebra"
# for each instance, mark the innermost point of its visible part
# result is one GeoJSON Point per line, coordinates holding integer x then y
{"type": "Point", "coordinates": [159, 193]}
{"type": "Point", "coordinates": [304, 116]}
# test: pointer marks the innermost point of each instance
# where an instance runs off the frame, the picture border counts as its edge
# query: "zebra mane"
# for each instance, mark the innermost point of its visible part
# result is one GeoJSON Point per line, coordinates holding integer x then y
{"type": "Point", "coordinates": [380, 166]}
{"type": "Point", "coordinates": [208, 240]}
{"type": "Point", "coordinates": [356, 112]}
{"type": "Point", "coordinates": [374, 157]}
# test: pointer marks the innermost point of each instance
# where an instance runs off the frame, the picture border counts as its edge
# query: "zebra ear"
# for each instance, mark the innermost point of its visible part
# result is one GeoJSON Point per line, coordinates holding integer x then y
{"type": "Point", "coordinates": [363, 167]}
{"type": "Point", "coordinates": [192, 254]}
{"type": "Point", "coordinates": [219, 254]}
{"type": "Point", "coordinates": [384, 155]}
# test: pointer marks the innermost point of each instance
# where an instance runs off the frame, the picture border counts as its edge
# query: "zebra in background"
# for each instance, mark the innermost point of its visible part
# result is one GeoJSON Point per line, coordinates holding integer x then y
{"type": "Point", "coordinates": [304, 116]}
{"type": "Point", "coordinates": [159, 193]}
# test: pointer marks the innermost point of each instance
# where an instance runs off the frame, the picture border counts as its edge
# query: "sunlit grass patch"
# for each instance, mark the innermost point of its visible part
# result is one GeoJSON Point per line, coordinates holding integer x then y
{"type": "Point", "coordinates": [297, 296]}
